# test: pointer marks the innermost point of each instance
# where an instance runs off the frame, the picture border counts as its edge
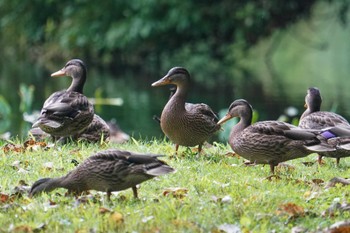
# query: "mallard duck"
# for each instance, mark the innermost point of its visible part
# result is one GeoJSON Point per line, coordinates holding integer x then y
{"type": "Point", "coordinates": [117, 135]}
{"type": "Point", "coordinates": [96, 131]}
{"type": "Point", "coordinates": [107, 171]}
{"type": "Point", "coordinates": [68, 112]}
{"type": "Point", "coordinates": [270, 142]}
{"type": "Point", "coordinates": [313, 118]}
{"type": "Point", "coordinates": [185, 124]}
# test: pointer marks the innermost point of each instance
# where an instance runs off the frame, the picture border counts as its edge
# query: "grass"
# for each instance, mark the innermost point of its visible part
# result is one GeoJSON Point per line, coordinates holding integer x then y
{"type": "Point", "coordinates": [221, 190]}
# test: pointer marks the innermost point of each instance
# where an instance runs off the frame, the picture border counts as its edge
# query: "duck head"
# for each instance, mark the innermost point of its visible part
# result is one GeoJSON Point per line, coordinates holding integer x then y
{"type": "Point", "coordinates": [313, 99]}
{"type": "Point", "coordinates": [76, 69]}
{"type": "Point", "coordinates": [238, 108]}
{"type": "Point", "coordinates": [178, 76]}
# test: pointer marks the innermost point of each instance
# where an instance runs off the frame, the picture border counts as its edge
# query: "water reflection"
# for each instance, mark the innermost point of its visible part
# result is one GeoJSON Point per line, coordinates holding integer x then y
{"type": "Point", "coordinates": [137, 102]}
{"type": "Point", "coordinates": [25, 88]}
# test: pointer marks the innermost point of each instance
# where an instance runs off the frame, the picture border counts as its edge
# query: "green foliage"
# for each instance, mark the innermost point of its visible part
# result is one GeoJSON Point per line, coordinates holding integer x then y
{"type": "Point", "coordinates": [221, 190]}
{"type": "Point", "coordinates": [150, 35]}
{"type": "Point", "coordinates": [5, 112]}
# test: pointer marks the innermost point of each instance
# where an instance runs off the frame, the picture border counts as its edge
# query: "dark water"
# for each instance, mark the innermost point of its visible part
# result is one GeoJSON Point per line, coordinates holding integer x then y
{"type": "Point", "coordinates": [140, 101]}
{"type": "Point", "coordinates": [25, 87]}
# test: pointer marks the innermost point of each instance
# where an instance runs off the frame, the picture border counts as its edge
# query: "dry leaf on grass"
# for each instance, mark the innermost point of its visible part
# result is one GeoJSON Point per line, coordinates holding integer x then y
{"type": "Point", "coordinates": [338, 227]}
{"type": "Point", "coordinates": [227, 228]}
{"type": "Point", "coordinates": [5, 198]}
{"type": "Point", "coordinates": [33, 145]}
{"type": "Point", "coordinates": [104, 210]}
{"type": "Point", "coordinates": [116, 218]}
{"type": "Point", "coordinates": [10, 147]}
{"type": "Point", "coordinates": [290, 209]}
{"type": "Point", "coordinates": [179, 193]}
{"type": "Point", "coordinates": [337, 180]}
{"type": "Point", "coordinates": [224, 200]}
{"type": "Point", "coordinates": [336, 207]}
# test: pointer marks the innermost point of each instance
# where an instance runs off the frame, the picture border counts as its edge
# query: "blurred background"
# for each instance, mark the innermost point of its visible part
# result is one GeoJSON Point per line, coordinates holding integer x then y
{"type": "Point", "coordinates": [268, 52]}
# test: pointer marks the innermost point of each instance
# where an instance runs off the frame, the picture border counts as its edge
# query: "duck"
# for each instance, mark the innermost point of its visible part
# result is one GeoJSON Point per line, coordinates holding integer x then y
{"type": "Point", "coordinates": [270, 142]}
{"type": "Point", "coordinates": [314, 118]}
{"type": "Point", "coordinates": [185, 124]}
{"type": "Point", "coordinates": [98, 130]}
{"type": "Point", "coordinates": [68, 112]}
{"type": "Point", "coordinates": [107, 171]}
{"type": "Point", "coordinates": [117, 135]}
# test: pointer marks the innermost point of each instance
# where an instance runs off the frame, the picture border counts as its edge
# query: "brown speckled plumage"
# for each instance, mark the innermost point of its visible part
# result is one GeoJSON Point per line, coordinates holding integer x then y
{"type": "Point", "coordinates": [314, 118]}
{"type": "Point", "coordinates": [68, 112]}
{"type": "Point", "coordinates": [185, 124]}
{"type": "Point", "coordinates": [269, 142]}
{"type": "Point", "coordinates": [107, 171]}
{"type": "Point", "coordinates": [96, 131]}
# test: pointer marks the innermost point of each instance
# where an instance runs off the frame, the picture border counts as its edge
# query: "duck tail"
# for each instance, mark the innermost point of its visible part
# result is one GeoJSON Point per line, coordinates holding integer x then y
{"type": "Point", "coordinates": [159, 169]}
{"type": "Point", "coordinates": [323, 147]}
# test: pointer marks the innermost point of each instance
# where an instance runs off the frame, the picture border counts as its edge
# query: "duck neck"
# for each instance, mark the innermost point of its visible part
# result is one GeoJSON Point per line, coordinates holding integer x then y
{"type": "Point", "coordinates": [308, 111]}
{"type": "Point", "coordinates": [244, 122]}
{"type": "Point", "coordinates": [178, 100]}
{"type": "Point", "coordinates": [53, 183]}
{"type": "Point", "coordinates": [78, 82]}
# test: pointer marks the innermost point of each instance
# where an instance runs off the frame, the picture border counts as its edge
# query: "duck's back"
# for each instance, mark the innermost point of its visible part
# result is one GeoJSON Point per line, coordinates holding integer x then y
{"type": "Point", "coordinates": [322, 119]}
{"type": "Point", "coordinates": [266, 142]}
{"type": "Point", "coordinates": [115, 170]}
{"type": "Point", "coordinates": [65, 113]}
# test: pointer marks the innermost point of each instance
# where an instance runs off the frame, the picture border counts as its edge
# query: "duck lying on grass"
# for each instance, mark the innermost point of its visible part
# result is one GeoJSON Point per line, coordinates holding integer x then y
{"type": "Point", "coordinates": [107, 171]}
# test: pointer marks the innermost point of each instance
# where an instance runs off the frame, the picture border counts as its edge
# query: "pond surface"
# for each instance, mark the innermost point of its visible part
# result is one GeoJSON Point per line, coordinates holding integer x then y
{"type": "Point", "coordinates": [136, 102]}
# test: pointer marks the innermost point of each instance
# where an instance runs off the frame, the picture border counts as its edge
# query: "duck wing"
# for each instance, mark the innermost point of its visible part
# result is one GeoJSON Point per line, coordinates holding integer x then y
{"type": "Point", "coordinates": [65, 104]}
{"type": "Point", "coordinates": [319, 120]}
{"type": "Point", "coordinates": [201, 109]}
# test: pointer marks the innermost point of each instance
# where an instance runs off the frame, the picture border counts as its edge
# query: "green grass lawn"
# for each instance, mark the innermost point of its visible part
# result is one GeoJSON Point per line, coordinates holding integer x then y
{"type": "Point", "coordinates": [222, 194]}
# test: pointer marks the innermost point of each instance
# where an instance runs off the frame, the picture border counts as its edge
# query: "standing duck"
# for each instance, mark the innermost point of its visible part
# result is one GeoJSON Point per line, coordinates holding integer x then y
{"type": "Point", "coordinates": [107, 171]}
{"type": "Point", "coordinates": [68, 112]}
{"type": "Point", "coordinates": [269, 142]}
{"type": "Point", "coordinates": [313, 118]}
{"type": "Point", "coordinates": [185, 124]}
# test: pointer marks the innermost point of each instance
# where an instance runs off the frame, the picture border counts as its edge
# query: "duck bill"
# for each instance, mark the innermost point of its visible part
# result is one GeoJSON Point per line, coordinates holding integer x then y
{"type": "Point", "coordinates": [224, 119]}
{"type": "Point", "coordinates": [305, 105]}
{"type": "Point", "coordinates": [58, 73]}
{"type": "Point", "coordinates": [164, 81]}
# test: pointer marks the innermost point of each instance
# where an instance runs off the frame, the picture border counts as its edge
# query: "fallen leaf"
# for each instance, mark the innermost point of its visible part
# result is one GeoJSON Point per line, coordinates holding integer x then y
{"type": "Point", "coordinates": [337, 180]}
{"type": "Point", "coordinates": [146, 219]}
{"type": "Point", "coordinates": [229, 228]}
{"type": "Point", "coordinates": [317, 181]}
{"type": "Point", "coordinates": [21, 188]}
{"type": "Point", "coordinates": [336, 206]}
{"type": "Point", "coordinates": [4, 198]}
{"type": "Point", "coordinates": [232, 154]}
{"type": "Point", "coordinates": [16, 164]}
{"type": "Point", "coordinates": [104, 210]}
{"type": "Point", "coordinates": [225, 199]}
{"type": "Point", "coordinates": [338, 227]}
{"type": "Point", "coordinates": [116, 218]}
{"type": "Point", "coordinates": [291, 210]}
{"type": "Point", "coordinates": [23, 228]}
{"type": "Point", "coordinates": [308, 164]}
{"type": "Point", "coordinates": [10, 147]}
{"type": "Point", "coordinates": [48, 166]}
{"type": "Point", "coordinates": [176, 192]}
{"type": "Point", "coordinates": [299, 229]}
{"type": "Point", "coordinates": [285, 167]}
